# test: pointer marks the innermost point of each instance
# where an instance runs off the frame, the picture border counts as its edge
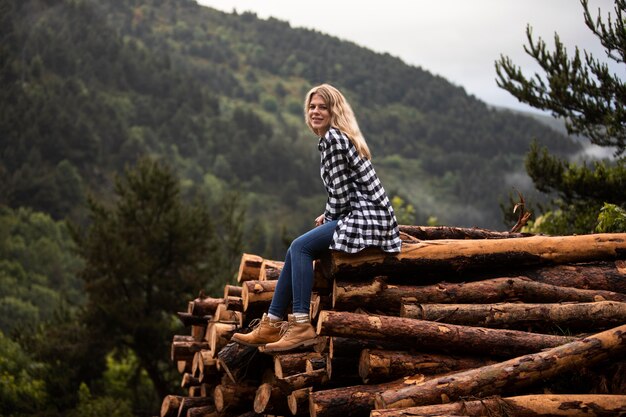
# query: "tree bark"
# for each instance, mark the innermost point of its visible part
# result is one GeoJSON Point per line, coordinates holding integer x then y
{"type": "Point", "coordinates": [520, 406]}
{"type": "Point", "coordinates": [189, 380]}
{"type": "Point", "coordinates": [514, 374]}
{"type": "Point", "coordinates": [232, 291]}
{"type": "Point", "coordinates": [169, 405]}
{"type": "Point", "coordinates": [206, 411]}
{"type": "Point", "coordinates": [257, 295]}
{"type": "Point", "coordinates": [204, 306]}
{"type": "Point", "coordinates": [302, 380]}
{"type": "Point", "coordinates": [607, 276]}
{"type": "Point", "coordinates": [191, 402]}
{"type": "Point", "coordinates": [286, 364]}
{"type": "Point", "coordinates": [379, 296]}
{"type": "Point", "coordinates": [573, 316]}
{"type": "Point", "coordinates": [236, 360]}
{"type": "Point", "coordinates": [220, 335]}
{"type": "Point", "coordinates": [249, 267]}
{"type": "Point", "coordinates": [351, 346]}
{"type": "Point", "coordinates": [377, 366]}
{"type": "Point", "coordinates": [425, 335]}
{"type": "Point", "coordinates": [235, 397]}
{"type": "Point", "coordinates": [270, 399]}
{"type": "Point", "coordinates": [446, 232]}
{"type": "Point", "coordinates": [270, 270]}
{"type": "Point", "coordinates": [183, 349]}
{"type": "Point", "coordinates": [188, 319]}
{"type": "Point", "coordinates": [482, 254]}
{"type": "Point", "coordinates": [224, 315]}
{"type": "Point", "coordinates": [234, 303]}
{"type": "Point", "coordinates": [298, 401]}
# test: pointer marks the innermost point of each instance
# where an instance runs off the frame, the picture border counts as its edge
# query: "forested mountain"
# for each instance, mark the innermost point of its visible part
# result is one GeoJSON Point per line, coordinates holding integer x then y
{"type": "Point", "coordinates": [89, 86]}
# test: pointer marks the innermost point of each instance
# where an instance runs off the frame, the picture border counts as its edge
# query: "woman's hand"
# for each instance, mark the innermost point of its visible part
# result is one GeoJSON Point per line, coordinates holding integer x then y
{"type": "Point", "coordinates": [319, 220]}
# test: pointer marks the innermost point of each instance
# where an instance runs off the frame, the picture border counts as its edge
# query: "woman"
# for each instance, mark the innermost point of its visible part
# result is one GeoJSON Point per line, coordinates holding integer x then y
{"type": "Point", "coordinates": [358, 214]}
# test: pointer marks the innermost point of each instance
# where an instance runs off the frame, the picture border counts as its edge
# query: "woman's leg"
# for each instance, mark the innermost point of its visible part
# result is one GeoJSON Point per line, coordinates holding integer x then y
{"type": "Point", "coordinates": [304, 250]}
{"type": "Point", "coordinates": [282, 292]}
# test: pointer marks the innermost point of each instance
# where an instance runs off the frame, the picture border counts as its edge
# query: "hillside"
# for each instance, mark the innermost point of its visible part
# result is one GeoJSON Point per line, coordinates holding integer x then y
{"type": "Point", "coordinates": [90, 86]}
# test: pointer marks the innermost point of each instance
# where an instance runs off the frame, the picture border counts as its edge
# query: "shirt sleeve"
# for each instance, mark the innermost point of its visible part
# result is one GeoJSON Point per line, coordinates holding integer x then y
{"type": "Point", "coordinates": [339, 184]}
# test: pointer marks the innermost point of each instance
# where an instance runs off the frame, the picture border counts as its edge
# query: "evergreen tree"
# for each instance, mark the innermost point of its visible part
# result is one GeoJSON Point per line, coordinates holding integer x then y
{"type": "Point", "coordinates": [592, 100]}
{"type": "Point", "coordinates": [144, 257]}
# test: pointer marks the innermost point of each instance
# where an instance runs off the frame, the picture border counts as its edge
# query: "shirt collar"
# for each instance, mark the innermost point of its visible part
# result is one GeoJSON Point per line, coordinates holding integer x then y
{"type": "Point", "coordinates": [325, 140]}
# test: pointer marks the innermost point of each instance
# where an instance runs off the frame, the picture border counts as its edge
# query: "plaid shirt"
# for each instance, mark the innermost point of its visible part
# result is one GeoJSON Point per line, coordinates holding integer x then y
{"type": "Point", "coordinates": [356, 198]}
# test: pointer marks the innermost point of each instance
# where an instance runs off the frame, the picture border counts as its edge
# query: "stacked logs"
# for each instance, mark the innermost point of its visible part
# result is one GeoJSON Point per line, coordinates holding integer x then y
{"type": "Point", "coordinates": [461, 322]}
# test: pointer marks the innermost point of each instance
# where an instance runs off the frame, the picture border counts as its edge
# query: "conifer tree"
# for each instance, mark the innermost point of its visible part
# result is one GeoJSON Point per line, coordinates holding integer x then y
{"type": "Point", "coordinates": [591, 99]}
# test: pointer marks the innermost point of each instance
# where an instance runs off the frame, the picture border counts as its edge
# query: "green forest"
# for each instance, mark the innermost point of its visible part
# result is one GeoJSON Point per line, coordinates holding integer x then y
{"type": "Point", "coordinates": [146, 144]}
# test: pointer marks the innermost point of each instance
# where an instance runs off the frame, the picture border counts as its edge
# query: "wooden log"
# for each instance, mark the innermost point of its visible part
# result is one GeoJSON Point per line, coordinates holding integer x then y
{"type": "Point", "coordinates": [286, 364]}
{"type": "Point", "coordinates": [298, 401]}
{"type": "Point", "coordinates": [191, 402]}
{"type": "Point", "coordinates": [302, 380]}
{"type": "Point", "coordinates": [270, 270]}
{"type": "Point", "coordinates": [454, 256]}
{"type": "Point", "coordinates": [249, 267]}
{"type": "Point", "coordinates": [183, 366]}
{"type": "Point", "coordinates": [232, 291]}
{"type": "Point", "coordinates": [427, 335]}
{"type": "Point", "coordinates": [378, 295]}
{"type": "Point", "coordinates": [315, 363]}
{"type": "Point", "coordinates": [204, 306]}
{"type": "Point", "coordinates": [607, 276]}
{"type": "Point", "coordinates": [270, 399]}
{"type": "Point", "coordinates": [319, 303]}
{"type": "Point", "coordinates": [184, 349]}
{"type": "Point", "coordinates": [188, 319]}
{"type": "Point", "coordinates": [238, 360]}
{"type": "Point", "coordinates": [343, 370]}
{"type": "Point", "coordinates": [377, 365]}
{"type": "Point", "coordinates": [573, 316]}
{"type": "Point", "coordinates": [224, 315]}
{"type": "Point", "coordinates": [257, 294]}
{"type": "Point", "coordinates": [503, 289]}
{"type": "Point", "coordinates": [521, 406]}
{"type": "Point", "coordinates": [220, 335]}
{"type": "Point", "coordinates": [204, 362]}
{"type": "Point", "coordinates": [189, 380]}
{"type": "Point", "coordinates": [446, 232]}
{"type": "Point", "coordinates": [169, 405]}
{"type": "Point", "coordinates": [511, 375]}
{"type": "Point", "coordinates": [235, 396]}
{"type": "Point", "coordinates": [234, 303]}
{"type": "Point", "coordinates": [206, 411]}
{"type": "Point", "coordinates": [351, 346]}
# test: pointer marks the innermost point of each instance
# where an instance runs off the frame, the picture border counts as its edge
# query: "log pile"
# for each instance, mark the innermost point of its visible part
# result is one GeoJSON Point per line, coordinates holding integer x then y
{"type": "Point", "coordinates": [463, 322]}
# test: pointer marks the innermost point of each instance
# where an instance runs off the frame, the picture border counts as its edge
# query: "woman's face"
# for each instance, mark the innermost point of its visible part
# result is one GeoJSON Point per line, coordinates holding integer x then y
{"type": "Point", "coordinates": [319, 115]}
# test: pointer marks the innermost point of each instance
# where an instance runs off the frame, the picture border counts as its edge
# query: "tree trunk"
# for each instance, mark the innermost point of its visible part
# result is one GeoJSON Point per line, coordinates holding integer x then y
{"type": "Point", "coordinates": [270, 399]}
{"type": "Point", "coordinates": [574, 316]}
{"type": "Point", "coordinates": [446, 232]}
{"type": "Point", "coordinates": [514, 374]}
{"type": "Point", "coordinates": [234, 303]}
{"type": "Point", "coordinates": [425, 335]}
{"type": "Point", "coordinates": [379, 296]}
{"type": "Point", "coordinates": [191, 402]}
{"type": "Point", "coordinates": [169, 405]}
{"type": "Point", "coordinates": [257, 295]}
{"type": "Point", "coordinates": [204, 306]}
{"type": "Point", "coordinates": [286, 364]}
{"type": "Point", "coordinates": [206, 411]}
{"type": "Point", "coordinates": [351, 346]}
{"type": "Point", "coordinates": [384, 365]}
{"type": "Point", "coordinates": [482, 254]}
{"type": "Point", "coordinates": [249, 267]}
{"type": "Point", "coordinates": [520, 406]}
{"type": "Point", "coordinates": [607, 276]}
{"type": "Point", "coordinates": [235, 397]}
{"type": "Point", "coordinates": [298, 401]}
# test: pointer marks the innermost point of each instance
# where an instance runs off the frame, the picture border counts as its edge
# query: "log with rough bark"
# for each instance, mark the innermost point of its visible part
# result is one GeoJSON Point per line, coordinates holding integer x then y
{"type": "Point", "coordinates": [232, 291]}
{"type": "Point", "coordinates": [319, 303]}
{"type": "Point", "coordinates": [522, 406]}
{"type": "Point", "coordinates": [379, 295]}
{"type": "Point", "coordinates": [298, 401]}
{"type": "Point", "coordinates": [238, 360]}
{"type": "Point", "coordinates": [235, 396]}
{"type": "Point", "coordinates": [191, 402]}
{"type": "Point", "coordinates": [302, 380]}
{"type": "Point", "coordinates": [224, 315]}
{"type": "Point", "coordinates": [607, 276]}
{"type": "Point", "coordinates": [428, 335]}
{"type": "Point", "coordinates": [270, 399]}
{"type": "Point", "coordinates": [377, 365]}
{"type": "Point", "coordinates": [184, 366]}
{"type": "Point", "coordinates": [188, 319]}
{"type": "Point", "coordinates": [249, 267]}
{"type": "Point", "coordinates": [257, 295]}
{"type": "Point", "coordinates": [169, 405]}
{"type": "Point", "coordinates": [270, 270]}
{"type": "Point", "coordinates": [343, 370]}
{"type": "Point", "coordinates": [189, 380]}
{"type": "Point", "coordinates": [220, 335]}
{"type": "Point", "coordinates": [454, 256]}
{"type": "Point", "coordinates": [234, 303]}
{"type": "Point", "coordinates": [512, 375]}
{"type": "Point", "coordinates": [183, 348]}
{"type": "Point", "coordinates": [204, 306]}
{"type": "Point", "coordinates": [206, 411]}
{"type": "Point", "coordinates": [286, 364]}
{"type": "Point", "coordinates": [446, 232]}
{"type": "Point", "coordinates": [204, 364]}
{"type": "Point", "coordinates": [351, 346]}
{"type": "Point", "coordinates": [316, 362]}
{"type": "Point", "coordinates": [573, 316]}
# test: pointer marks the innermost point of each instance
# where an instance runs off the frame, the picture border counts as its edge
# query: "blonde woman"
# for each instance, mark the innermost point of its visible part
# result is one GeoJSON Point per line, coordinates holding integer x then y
{"type": "Point", "coordinates": [358, 214]}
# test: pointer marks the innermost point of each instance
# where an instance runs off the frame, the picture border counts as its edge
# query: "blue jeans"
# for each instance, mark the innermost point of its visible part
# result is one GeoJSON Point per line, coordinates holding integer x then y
{"type": "Point", "coordinates": [295, 281]}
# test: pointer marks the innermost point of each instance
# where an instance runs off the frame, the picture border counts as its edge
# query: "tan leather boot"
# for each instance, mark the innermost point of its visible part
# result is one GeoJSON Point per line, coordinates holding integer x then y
{"type": "Point", "coordinates": [264, 332]}
{"type": "Point", "coordinates": [295, 335]}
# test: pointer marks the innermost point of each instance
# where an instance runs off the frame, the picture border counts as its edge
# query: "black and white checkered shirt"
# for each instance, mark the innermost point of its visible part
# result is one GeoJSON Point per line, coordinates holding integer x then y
{"type": "Point", "coordinates": [356, 198]}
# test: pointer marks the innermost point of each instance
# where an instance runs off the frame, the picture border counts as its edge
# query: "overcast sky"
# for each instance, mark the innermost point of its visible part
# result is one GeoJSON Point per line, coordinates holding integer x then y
{"type": "Point", "coordinates": [457, 39]}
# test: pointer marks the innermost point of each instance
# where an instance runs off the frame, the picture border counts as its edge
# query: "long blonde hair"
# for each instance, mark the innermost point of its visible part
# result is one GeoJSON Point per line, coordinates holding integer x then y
{"type": "Point", "coordinates": [341, 116]}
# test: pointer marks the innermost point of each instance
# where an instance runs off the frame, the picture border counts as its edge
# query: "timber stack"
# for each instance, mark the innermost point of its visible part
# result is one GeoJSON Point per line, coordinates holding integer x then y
{"type": "Point", "coordinates": [462, 322]}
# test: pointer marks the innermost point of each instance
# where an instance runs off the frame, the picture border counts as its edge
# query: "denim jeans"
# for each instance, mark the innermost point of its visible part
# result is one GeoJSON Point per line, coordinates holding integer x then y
{"type": "Point", "coordinates": [295, 281]}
